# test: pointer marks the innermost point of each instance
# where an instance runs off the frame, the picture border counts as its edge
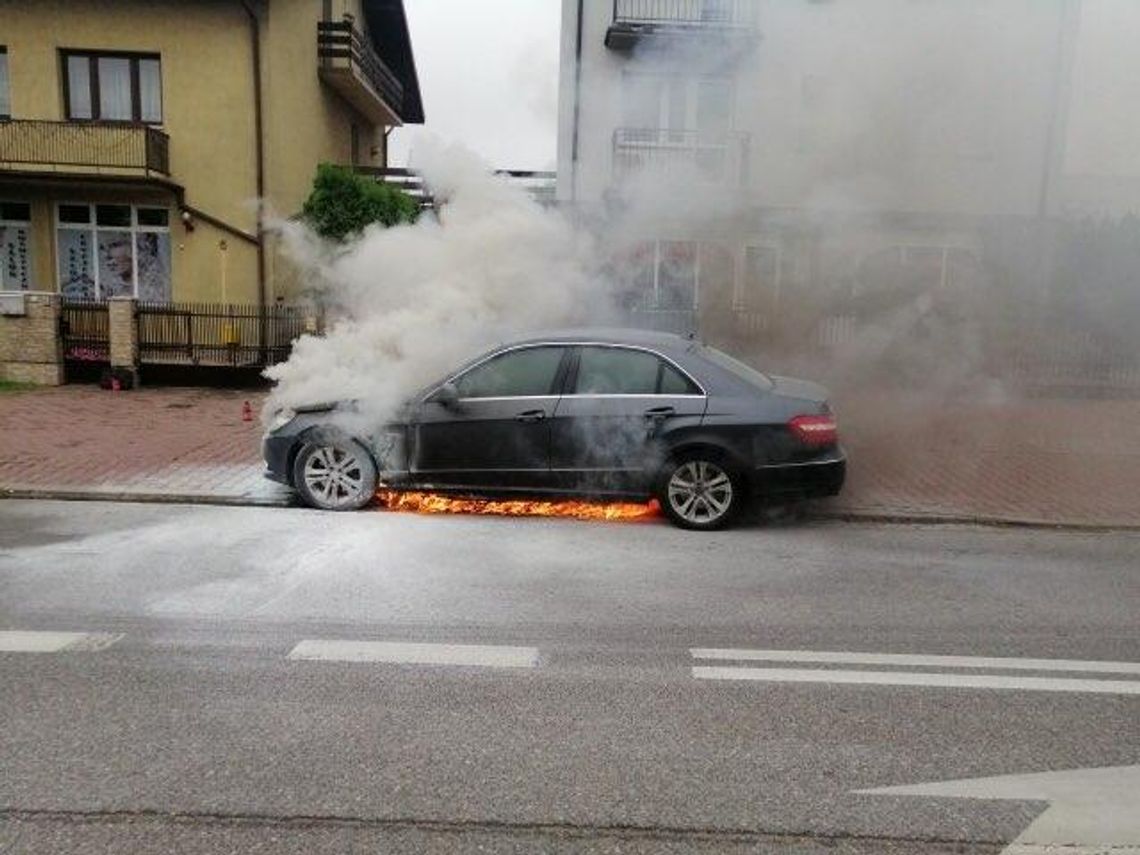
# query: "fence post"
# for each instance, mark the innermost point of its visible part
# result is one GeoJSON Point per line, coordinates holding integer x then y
{"type": "Point", "coordinates": [31, 348]}
{"type": "Point", "coordinates": [124, 336]}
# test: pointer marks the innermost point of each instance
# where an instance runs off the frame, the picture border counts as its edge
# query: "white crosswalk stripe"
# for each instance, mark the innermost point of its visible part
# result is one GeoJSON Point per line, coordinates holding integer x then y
{"type": "Point", "coordinates": [943, 671]}
{"type": "Point", "coordinates": [27, 641]}
{"type": "Point", "coordinates": [405, 653]}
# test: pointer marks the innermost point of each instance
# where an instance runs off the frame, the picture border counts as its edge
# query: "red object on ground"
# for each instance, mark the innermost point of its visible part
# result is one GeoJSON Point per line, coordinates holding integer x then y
{"type": "Point", "coordinates": [116, 386]}
{"type": "Point", "coordinates": [246, 412]}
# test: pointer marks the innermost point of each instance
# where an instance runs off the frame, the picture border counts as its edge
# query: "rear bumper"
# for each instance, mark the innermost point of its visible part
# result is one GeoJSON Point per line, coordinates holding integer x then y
{"type": "Point", "coordinates": [807, 480]}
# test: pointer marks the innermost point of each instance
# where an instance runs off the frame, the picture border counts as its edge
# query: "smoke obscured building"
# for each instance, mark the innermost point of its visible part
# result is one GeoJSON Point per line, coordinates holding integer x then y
{"type": "Point", "coordinates": [806, 168]}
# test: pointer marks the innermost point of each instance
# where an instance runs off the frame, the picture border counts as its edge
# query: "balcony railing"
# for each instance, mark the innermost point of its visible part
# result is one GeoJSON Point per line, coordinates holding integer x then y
{"type": "Point", "coordinates": [539, 185]}
{"type": "Point", "coordinates": [634, 19]}
{"type": "Point", "coordinates": [95, 147]}
{"type": "Point", "coordinates": [342, 48]}
{"type": "Point", "coordinates": [720, 158]}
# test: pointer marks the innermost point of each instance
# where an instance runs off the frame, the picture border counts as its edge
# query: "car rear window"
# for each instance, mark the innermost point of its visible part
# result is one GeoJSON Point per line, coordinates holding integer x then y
{"type": "Point", "coordinates": [745, 372]}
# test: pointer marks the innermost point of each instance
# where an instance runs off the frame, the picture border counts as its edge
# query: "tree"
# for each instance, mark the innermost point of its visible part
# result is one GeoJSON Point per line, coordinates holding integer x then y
{"type": "Point", "coordinates": [342, 203]}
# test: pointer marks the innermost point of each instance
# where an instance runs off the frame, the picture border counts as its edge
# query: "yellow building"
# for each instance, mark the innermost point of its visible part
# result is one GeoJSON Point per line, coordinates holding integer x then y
{"type": "Point", "coordinates": [137, 136]}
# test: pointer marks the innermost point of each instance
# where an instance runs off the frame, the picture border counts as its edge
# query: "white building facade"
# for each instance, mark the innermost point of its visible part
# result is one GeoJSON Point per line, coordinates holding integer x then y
{"type": "Point", "coordinates": [769, 156]}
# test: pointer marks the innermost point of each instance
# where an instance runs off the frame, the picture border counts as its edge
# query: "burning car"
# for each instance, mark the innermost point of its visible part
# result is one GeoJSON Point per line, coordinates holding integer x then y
{"type": "Point", "coordinates": [602, 413]}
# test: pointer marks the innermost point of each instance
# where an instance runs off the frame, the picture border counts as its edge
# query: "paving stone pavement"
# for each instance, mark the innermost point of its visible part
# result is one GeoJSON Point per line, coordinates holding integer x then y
{"type": "Point", "coordinates": [1049, 461]}
{"type": "Point", "coordinates": [189, 443]}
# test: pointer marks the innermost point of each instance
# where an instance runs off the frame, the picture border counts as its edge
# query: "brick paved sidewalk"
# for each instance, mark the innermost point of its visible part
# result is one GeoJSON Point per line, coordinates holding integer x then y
{"type": "Point", "coordinates": [191, 443]}
{"type": "Point", "coordinates": [1056, 462]}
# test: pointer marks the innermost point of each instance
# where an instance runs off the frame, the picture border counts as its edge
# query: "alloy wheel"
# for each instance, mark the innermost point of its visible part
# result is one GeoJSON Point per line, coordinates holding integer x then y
{"type": "Point", "coordinates": [334, 476]}
{"type": "Point", "coordinates": [700, 492]}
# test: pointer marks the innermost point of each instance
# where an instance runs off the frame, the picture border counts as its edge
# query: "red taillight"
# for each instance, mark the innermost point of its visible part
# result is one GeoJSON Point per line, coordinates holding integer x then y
{"type": "Point", "coordinates": [815, 431]}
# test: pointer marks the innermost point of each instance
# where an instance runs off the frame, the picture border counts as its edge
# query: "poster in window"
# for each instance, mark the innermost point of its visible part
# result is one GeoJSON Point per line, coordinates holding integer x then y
{"type": "Point", "coordinates": [153, 251]}
{"type": "Point", "coordinates": [116, 264]}
{"type": "Point", "coordinates": [13, 258]}
{"type": "Point", "coordinates": [76, 265]}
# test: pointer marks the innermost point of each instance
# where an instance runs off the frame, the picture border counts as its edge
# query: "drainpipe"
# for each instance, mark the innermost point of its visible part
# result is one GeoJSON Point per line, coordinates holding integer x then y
{"type": "Point", "coordinates": [255, 52]}
{"type": "Point", "coordinates": [577, 106]}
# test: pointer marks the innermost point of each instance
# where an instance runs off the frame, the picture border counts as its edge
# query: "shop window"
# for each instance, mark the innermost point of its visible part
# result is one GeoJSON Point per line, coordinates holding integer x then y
{"type": "Point", "coordinates": [15, 246]}
{"type": "Point", "coordinates": [111, 250]}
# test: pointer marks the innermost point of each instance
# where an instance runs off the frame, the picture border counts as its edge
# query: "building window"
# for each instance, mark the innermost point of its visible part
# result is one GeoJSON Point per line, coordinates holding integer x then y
{"type": "Point", "coordinates": [112, 87]}
{"type": "Point", "coordinates": [664, 275]}
{"type": "Point", "coordinates": [15, 254]}
{"type": "Point", "coordinates": [5, 98]}
{"type": "Point", "coordinates": [113, 251]}
{"type": "Point", "coordinates": [761, 280]}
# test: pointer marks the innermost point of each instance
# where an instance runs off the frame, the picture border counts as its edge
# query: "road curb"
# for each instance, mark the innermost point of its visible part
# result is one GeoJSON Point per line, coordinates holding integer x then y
{"type": "Point", "coordinates": [921, 518]}
{"type": "Point", "coordinates": [78, 495]}
{"type": "Point", "coordinates": [852, 515]}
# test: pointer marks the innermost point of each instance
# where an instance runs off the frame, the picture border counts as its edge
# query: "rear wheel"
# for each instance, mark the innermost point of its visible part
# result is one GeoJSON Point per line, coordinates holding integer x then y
{"type": "Point", "coordinates": [700, 491]}
{"type": "Point", "coordinates": [335, 475]}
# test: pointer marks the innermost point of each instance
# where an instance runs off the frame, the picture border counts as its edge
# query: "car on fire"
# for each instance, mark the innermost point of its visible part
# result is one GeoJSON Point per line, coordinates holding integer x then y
{"type": "Point", "coordinates": [626, 414]}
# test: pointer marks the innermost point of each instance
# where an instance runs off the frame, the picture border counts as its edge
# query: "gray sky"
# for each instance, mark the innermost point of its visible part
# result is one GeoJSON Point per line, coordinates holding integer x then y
{"type": "Point", "coordinates": [488, 73]}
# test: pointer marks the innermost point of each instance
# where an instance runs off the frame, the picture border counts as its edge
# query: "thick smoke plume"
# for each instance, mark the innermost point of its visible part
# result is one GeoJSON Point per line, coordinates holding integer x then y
{"type": "Point", "coordinates": [409, 303]}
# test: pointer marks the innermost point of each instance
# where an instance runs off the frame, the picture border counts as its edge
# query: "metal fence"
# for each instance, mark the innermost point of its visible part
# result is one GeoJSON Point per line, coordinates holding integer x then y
{"type": "Point", "coordinates": [85, 330]}
{"type": "Point", "coordinates": [85, 145]}
{"type": "Point", "coordinates": [212, 334]}
{"type": "Point", "coordinates": [715, 13]}
{"type": "Point", "coordinates": [716, 159]}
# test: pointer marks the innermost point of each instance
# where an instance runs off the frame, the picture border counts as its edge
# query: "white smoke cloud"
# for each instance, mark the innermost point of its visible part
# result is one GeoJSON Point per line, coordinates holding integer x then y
{"type": "Point", "coordinates": [414, 301]}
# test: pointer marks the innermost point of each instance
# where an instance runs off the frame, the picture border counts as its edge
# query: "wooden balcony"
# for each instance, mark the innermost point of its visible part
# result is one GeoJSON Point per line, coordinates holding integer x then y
{"type": "Point", "coordinates": [85, 148]}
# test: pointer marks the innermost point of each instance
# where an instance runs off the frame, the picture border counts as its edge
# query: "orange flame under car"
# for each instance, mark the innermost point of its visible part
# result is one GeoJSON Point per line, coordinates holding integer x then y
{"type": "Point", "coordinates": [438, 503]}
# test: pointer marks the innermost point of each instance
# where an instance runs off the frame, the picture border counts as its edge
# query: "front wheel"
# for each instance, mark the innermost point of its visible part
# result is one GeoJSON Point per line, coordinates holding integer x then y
{"type": "Point", "coordinates": [335, 475]}
{"type": "Point", "coordinates": [699, 491]}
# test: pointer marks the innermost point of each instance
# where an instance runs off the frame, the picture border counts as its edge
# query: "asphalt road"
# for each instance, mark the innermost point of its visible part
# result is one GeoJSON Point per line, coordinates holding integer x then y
{"type": "Point", "coordinates": [602, 701]}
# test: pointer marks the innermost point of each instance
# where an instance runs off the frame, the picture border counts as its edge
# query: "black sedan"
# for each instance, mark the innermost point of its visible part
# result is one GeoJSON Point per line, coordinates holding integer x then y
{"type": "Point", "coordinates": [607, 413]}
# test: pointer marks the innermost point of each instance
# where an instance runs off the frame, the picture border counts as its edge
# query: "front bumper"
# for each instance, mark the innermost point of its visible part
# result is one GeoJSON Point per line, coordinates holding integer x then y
{"type": "Point", "coordinates": [275, 451]}
{"type": "Point", "coordinates": [811, 479]}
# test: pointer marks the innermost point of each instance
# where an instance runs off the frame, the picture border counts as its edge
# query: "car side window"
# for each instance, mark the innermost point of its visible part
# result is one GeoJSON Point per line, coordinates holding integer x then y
{"type": "Point", "coordinates": [616, 371]}
{"type": "Point", "coordinates": [673, 382]}
{"type": "Point", "coordinates": [530, 371]}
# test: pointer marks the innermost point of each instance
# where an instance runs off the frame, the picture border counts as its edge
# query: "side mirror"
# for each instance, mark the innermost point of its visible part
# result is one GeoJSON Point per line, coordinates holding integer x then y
{"type": "Point", "coordinates": [446, 395]}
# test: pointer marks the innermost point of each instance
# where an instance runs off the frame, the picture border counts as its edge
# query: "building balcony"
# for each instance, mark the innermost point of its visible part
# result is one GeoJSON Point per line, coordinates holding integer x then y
{"type": "Point", "coordinates": [83, 148]}
{"type": "Point", "coordinates": [719, 159]}
{"type": "Point", "coordinates": [663, 21]}
{"type": "Point", "coordinates": [350, 65]}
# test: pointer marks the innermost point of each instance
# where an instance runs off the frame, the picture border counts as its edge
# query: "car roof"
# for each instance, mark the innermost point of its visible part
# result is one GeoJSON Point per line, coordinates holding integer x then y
{"type": "Point", "coordinates": [607, 335]}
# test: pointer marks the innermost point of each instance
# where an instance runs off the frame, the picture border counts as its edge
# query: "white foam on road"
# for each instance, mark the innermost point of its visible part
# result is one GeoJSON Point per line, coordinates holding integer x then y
{"type": "Point", "coordinates": [914, 661]}
{"type": "Point", "coordinates": [913, 678]}
{"type": "Point", "coordinates": [404, 653]}
{"type": "Point", "coordinates": [26, 641]}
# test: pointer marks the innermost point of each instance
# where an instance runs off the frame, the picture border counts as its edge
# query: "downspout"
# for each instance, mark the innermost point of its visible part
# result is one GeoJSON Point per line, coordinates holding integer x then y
{"type": "Point", "coordinates": [577, 106]}
{"type": "Point", "coordinates": [260, 157]}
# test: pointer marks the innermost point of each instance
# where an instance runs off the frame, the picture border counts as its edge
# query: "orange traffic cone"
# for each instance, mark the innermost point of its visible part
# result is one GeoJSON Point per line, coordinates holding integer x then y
{"type": "Point", "coordinates": [246, 412]}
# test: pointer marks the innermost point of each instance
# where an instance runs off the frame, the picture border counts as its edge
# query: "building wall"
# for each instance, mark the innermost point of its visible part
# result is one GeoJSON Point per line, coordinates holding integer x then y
{"type": "Point", "coordinates": [306, 122]}
{"type": "Point", "coordinates": [882, 105]}
{"type": "Point", "coordinates": [208, 113]}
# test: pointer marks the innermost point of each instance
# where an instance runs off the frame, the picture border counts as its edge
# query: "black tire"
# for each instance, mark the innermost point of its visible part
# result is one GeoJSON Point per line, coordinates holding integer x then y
{"type": "Point", "coordinates": [699, 490]}
{"type": "Point", "coordinates": [335, 474]}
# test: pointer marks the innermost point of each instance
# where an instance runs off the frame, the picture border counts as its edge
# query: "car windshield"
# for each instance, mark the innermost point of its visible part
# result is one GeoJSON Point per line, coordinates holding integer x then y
{"type": "Point", "coordinates": [745, 372]}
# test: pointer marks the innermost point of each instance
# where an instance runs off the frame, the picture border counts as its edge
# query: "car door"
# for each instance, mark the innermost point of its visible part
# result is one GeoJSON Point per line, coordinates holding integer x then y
{"type": "Point", "coordinates": [620, 409]}
{"type": "Point", "coordinates": [497, 434]}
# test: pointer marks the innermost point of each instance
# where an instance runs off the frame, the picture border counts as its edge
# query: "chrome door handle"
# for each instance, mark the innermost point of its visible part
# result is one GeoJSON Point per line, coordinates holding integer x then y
{"type": "Point", "coordinates": [660, 412]}
{"type": "Point", "coordinates": [531, 416]}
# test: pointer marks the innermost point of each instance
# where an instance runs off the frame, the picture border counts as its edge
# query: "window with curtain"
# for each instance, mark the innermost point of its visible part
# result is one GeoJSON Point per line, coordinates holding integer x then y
{"type": "Point", "coordinates": [113, 87]}
{"type": "Point", "coordinates": [5, 98]}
